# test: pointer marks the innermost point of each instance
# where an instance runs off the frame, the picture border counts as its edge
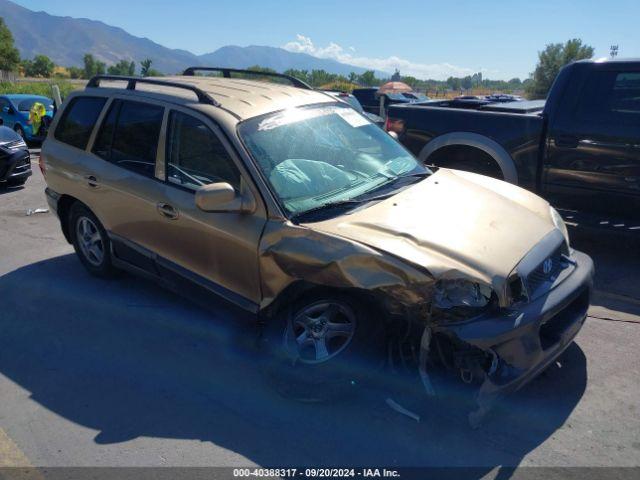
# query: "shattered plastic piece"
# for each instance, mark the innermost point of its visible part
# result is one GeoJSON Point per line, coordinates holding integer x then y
{"type": "Point", "coordinates": [400, 409]}
{"type": "Point", "coordinates": [33, 211]}
{"type": "Point", "coordinates": [452, 293]}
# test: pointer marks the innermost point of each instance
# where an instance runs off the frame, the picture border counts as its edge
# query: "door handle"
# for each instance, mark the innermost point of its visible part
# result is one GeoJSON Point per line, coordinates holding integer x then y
{"type": "Point", "coordinates": [92, 181]}
{"type": "Point", "coordinates": [167, 211]}
{"type": "Point", "coordinates": [567, 141]}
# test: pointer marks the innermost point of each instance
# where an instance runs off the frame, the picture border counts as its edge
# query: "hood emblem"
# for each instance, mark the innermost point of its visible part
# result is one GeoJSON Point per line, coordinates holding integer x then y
{"type": "Point", "coordinates": [547, 266]}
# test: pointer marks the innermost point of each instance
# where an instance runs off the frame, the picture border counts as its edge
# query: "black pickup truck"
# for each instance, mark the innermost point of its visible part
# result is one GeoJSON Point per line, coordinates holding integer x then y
{"type": "Point", "coordinates": [580, 149]}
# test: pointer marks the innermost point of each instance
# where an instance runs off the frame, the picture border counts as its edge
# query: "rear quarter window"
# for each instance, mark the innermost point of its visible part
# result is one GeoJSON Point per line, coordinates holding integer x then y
{"type": "Point", "coordinates": [78, 120]}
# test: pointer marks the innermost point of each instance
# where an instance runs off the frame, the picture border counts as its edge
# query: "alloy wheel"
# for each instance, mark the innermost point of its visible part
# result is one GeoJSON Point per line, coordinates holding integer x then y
{"type": "Point", "coordinates": [320, 331]}
{"type": "Point", "coordinates": [90, 241]}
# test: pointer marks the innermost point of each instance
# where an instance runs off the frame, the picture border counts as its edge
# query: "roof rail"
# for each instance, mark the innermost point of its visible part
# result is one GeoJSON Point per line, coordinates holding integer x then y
{"type": "Point", "coordinates": [203, 97]}
{"type": "Point", "coordinates": [226, 73]}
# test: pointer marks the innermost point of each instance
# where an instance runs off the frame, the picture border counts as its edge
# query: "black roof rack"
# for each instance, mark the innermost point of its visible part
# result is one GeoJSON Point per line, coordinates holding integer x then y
{"type": "Point", "coordinates": [226, 73]}
{"type": "Point", "coordinates": [203, 97]}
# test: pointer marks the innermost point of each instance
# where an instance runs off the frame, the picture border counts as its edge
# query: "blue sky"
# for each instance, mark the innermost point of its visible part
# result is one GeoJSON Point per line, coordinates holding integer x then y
{"type": "Point", "coordinates": [422, 37]}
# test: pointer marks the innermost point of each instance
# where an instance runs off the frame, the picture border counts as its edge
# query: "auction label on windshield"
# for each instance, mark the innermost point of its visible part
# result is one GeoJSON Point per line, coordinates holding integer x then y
{"type": "Point", "coordinates": [352, 117]}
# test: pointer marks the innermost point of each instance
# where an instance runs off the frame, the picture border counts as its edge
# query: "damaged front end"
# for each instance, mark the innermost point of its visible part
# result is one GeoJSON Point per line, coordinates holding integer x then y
{"type": "Point", "coordinates": [491, 336]}
{"type": "Point", "coordinates": [499, 349]}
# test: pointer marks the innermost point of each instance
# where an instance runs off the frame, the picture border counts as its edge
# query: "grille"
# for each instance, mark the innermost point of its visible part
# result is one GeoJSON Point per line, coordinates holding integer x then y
{"type": "Point", "coordinates": [548, 270]}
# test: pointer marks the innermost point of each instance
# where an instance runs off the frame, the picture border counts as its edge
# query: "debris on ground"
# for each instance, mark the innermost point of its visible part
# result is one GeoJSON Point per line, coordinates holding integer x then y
{"type": "Point", "coordinates": [33, 211]}
{"type": "Point", "coordinates": [400, 409]}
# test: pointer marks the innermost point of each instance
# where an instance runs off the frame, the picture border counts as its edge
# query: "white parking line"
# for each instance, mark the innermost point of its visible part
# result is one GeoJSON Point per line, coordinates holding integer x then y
{"type": "Point", "coordinates": [10, 454]}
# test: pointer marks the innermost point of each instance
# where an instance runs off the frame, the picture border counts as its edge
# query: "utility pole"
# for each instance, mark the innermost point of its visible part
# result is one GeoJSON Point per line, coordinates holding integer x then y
{"type": "Point", "coordinates": [614, 51]}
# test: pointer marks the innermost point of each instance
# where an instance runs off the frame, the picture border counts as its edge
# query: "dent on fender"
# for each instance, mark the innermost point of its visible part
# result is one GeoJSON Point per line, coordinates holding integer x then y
{"type": "Point", "coordinates": [290, 253]}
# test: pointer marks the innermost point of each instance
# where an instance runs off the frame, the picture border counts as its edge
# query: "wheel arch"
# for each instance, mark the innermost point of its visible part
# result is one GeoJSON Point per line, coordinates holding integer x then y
{"type": "Point", "coordinates": [474, 140]}
{"type": "Point", "coordinates": [302, 288]}
{"type": "Point", "coordinates": [65, 202]}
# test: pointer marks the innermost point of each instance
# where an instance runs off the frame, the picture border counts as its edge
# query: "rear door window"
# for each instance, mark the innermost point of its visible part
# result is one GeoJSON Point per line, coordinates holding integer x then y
{"type": "Point", "coordinates": [78, 120]}
{"type": "Point", "coordinates": [196, 156]}
{"type": "Point", "coordinates": [129, 136]}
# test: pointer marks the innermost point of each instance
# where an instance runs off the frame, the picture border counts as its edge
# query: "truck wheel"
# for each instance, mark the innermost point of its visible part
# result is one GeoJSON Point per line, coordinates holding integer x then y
{"type": "Point", "coordinates": [90, 241]}
{"type": "Point", "coordinates": [18, 129]}
{"type": "Point", "coordinates": [469, 159]}
{"type": "Point", "coordinates": [321, 345]}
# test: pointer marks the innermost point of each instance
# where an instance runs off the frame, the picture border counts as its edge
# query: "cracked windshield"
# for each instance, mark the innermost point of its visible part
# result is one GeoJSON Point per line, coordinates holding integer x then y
{"type": "Point", "coordinates": [321, 156]}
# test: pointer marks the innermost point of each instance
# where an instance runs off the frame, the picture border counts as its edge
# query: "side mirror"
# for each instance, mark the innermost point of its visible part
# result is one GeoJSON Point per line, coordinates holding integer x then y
{"type": "Point", "coordinates": [222, 198]}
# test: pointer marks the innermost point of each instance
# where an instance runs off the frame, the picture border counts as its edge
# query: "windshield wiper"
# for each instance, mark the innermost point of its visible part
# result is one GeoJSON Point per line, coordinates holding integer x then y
{"type": "Point", "coordinates": [341, 203]}
{"type": "Point", "coordinates": [326, 206]}
{"type": "Point", "coordinates": [416, 174]}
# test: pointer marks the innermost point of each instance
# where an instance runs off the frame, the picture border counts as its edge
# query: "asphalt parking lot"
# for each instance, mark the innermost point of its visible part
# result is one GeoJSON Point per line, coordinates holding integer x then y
{"type": "Point", "coordinates": [123, 373]}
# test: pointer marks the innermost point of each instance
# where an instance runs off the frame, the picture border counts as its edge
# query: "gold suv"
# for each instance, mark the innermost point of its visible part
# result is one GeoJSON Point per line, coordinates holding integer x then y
{"type": "Point", "coordinates": [295, 207]}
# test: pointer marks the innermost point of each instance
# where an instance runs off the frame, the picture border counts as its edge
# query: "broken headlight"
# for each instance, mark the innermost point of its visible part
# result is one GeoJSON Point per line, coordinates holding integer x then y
{"type": "Point", "coordinates": [461, 293]}
{"type": "Point", "coordinates": [560, 225]}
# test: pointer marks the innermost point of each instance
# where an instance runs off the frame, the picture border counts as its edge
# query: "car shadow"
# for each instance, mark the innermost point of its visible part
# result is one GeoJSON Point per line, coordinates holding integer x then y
{"type": "Point", "coordinates": [129, 359]}
{"type": "Point", "coordinates": [617, 265]}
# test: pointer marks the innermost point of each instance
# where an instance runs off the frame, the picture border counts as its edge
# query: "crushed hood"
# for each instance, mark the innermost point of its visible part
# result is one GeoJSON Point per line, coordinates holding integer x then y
{"type": "Point", "coordinates": [453, 224]}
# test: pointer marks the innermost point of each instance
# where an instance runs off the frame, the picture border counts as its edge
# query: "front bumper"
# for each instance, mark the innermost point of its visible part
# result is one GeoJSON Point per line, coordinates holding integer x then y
{"type": "Point", "coordinates": [524, 341]}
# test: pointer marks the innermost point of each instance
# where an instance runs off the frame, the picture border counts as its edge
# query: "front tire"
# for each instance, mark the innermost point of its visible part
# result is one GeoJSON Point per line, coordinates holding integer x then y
{"type": "Point", "coordinates": [322, 345]}
{"type": "Point", "coordinates": [90, 241]}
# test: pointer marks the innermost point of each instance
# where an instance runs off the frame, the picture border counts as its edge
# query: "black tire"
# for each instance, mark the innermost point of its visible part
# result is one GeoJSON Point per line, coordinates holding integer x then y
{"type": "Point", "coordinates": [297, 374]}
{"type": "Point", "coordinates": [83, 223]}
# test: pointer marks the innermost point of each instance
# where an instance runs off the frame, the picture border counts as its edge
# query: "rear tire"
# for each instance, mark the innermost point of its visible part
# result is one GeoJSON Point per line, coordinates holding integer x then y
{"type": "Point", "coordinates": [90, 241]}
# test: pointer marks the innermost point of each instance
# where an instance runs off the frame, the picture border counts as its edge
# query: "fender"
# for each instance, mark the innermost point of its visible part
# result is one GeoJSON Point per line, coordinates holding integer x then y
{"type": "Point", "coordinates": [490, 147]}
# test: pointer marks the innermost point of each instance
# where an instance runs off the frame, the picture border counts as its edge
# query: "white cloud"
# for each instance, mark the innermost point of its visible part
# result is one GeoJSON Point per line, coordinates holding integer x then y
{"type": "Point", "coordinates": [437, 71]}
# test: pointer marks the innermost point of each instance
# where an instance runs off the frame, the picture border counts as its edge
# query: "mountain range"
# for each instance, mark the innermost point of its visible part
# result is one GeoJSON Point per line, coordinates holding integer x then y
{"type": "Point", "coordinates": [66, 40]}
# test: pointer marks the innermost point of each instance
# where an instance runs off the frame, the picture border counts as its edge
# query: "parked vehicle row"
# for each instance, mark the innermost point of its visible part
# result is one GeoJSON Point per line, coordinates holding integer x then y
{"type": "Point", "coordinates": [295, 207]}
{"type": "Point", "coordinates": [355, 104]}
{"type": "Point", "coordinates": [376, 102]}
{"type": "Point", "coordinates": [18, 113]}
{"type": "Point", "coordinates": [15, 162]}
{"type": "Point", "coordinates": [580, 149]}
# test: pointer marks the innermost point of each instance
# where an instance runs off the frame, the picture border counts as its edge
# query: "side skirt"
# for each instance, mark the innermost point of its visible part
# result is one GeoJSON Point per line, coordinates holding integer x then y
{"type": "Point", "coordinates": [130, 256]}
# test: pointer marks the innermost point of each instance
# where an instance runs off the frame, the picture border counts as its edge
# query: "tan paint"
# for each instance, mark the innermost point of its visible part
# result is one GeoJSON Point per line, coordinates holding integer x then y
{"type": "Point", "coordinates": [453, 224]}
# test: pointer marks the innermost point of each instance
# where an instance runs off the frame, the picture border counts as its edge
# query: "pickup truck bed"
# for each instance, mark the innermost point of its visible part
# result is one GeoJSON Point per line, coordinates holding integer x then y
{"type": "Point", "coordinates": [580, 149]}
{"type": "Point", "coordinates": [430, 128]}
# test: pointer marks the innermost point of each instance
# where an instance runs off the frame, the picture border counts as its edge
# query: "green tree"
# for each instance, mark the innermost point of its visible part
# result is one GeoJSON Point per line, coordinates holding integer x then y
{"type": "Point", "coordinates": [123, 67]}
{"type": "Point", "coordinates": [413, 82]}
{"type": "Point", "coordinates": [368, 79]}
{"type": "Point", "coordinates": [258, 68]}
{"type": "Point", "coordinates": [40, 66]}
{"type": "Point", "coordinates": [9, 55]}
{"type": "Point", "coordinates": [145, 67]}
{"type": "Point", "coordinates": [90, 68]}
{"type": "Point", "coordinates": [551, 60]}
{"type": "Point", "coordinates": [353, 77]}
{"type": "Point", "coordinates": [75, 72]}
{"type": "Point", "coordinates": [299, 74]}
